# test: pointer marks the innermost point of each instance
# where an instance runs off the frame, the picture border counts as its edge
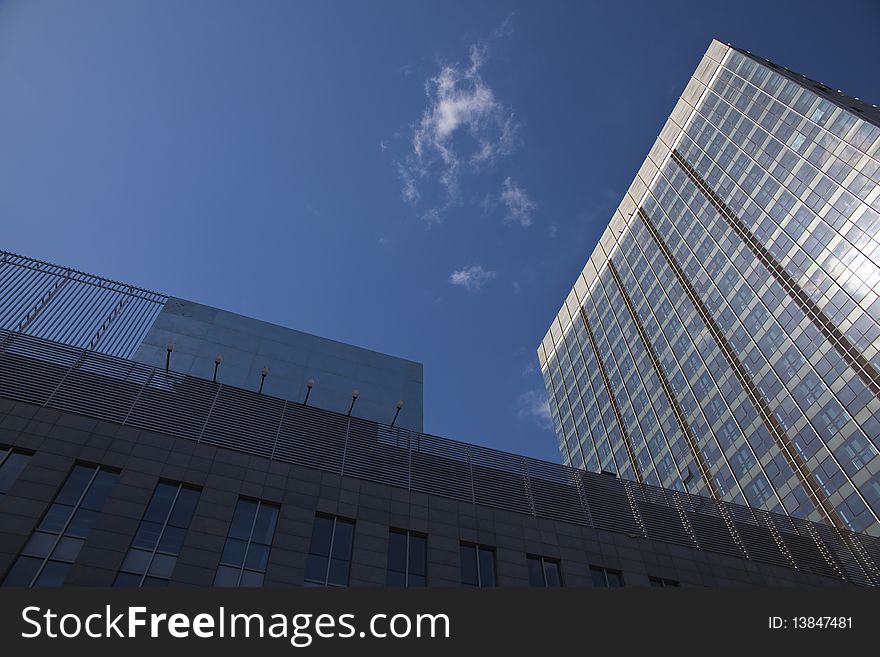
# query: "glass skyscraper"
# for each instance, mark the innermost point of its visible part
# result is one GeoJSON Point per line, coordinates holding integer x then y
{"type": "Point", "coordinates": [724, 336]}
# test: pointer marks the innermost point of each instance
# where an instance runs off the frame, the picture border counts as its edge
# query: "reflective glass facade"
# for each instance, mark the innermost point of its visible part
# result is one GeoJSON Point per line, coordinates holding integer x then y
{"type": "Point", "coordinates": [724, 337]}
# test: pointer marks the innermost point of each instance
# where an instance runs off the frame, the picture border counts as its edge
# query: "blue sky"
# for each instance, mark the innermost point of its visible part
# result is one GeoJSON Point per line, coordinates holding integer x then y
{"type": "Point", "coordinates": [421, 178]}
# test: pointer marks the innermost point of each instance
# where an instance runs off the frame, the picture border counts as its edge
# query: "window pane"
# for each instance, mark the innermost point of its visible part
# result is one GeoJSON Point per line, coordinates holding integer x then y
{"type": "Point", "coordinates": [172, 540]}
{"type": "Point", "coordinates": [342, 539]}
{"type": "Point", "coordinates": [227, 576]}
{"type": "Point", "coordinates": [11, 468]}
{"type": "Point", "coordinates": [321, 534]}
{"type": "Point", "coordinates": [417, 557]}
{"type": "Point", "coordinates": [469, 565]}
{"type": "Point", "coordinates": [160, 504]}
{"type": "Point", "coordinates": [536, 575]}
{"type": "Point", "coordinates": [56, 517]}
{"type": "Point", "coordinates": [54, 573]}
{"type": "Point", "coordinates": [395, 578]}
{"type": "Point", "coordinates": [551, 571]}
{"type": "Point", "coordinates": [163, 565]}
{"type": "Point", "coordinates": [75, 485]}
{"type": "Point", "coordinates": [147, 535]}
{"type": "Point", "coordinates": [598, 575]}
{"type": "Point", "coordinates": [22, 573]}
{"type": "Point", "coordinates": [257, 557]}
{"type": "Point", "coordinates": [243, 519]}
{"type": "Point", "coordinates": [82, 523]}
{"type": "Point", "coordinates": [249, 578]}
{"type": "Point", "coordinates": [99, 491]}
{"type": "Point", "coordinates": [614, 579]}
{"type": "Point", "coordinates": [265, 525]}
{"type": "Point", "coordinates": [233, 552]}
{"type": "Point", "coordinates": [316, 568]}
{"type": "Point", "coordinates": [417, 580]}
{"type": "Point", "coordinates": [338, 572]}
{"type": "Point", "coordinates": [40, 544]}
{"type": "Point", "coordinates": [136, 561]}
{"type": "Point", "coordinates": [397, 551]}
{"type": "Point", "coordinates": [68, 549]}
{"type": "Point", "coordinates": [185, 507]}
{"type": "Point", "coordinates": [487, 567]}
{"type": "Point", "coordinates": [155, 582]}
{"type": "Point", "coordinates": [127, 579]}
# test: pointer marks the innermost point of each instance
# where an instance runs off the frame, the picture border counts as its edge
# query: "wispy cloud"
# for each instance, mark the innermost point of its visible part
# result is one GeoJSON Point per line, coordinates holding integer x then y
{"type": "Point", "coordinates": [432, 217]}
{"type": "Point", "coordinates": [552, 230]}
{"type": "Point", "coordinates": [409, 190]}
{"type": "Point", "coordinates": [518, 203]}
{"type": "Point", "coordinates": [471, 278]}
{"type": "Point", "coordinates": [533, 405]}
{"type": "Point", "coordinates": [530, 368]}
{"type": "Point", "coordinates": [464, 128]}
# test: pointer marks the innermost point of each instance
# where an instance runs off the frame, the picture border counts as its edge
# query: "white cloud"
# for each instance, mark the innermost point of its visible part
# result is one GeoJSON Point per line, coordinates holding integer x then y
{"type": "Point", "coordinates": [552, 230]}
{"type": "Point", "coordinates": [519, 205]}
{"type": "Point", "coordinates": [432, 216]}
{"type": "Point", "coordinates": [382, 145]}
{"type": "Point", "coordinates": [471, 278]}
{"type": "Point", "coordinates": [463, 129]}
{"type": "Point", "coordinates": [530, 369]}
{"type": "Point", "coordinates": [533, 405]}
{"type": "Point", "coordinates": [409, 191]}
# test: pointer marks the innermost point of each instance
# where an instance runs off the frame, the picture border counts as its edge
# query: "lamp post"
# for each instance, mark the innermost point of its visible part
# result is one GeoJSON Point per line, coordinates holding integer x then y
{"type": "Point", "coordinates": [354, 395]}
{"type": "Point", "coordinates": [397, 412]}
{"type": "Point", "coordinates": [217, 361]}
{"type": "Point", "coordinates": [168, 351]}
{"type": "Point", "coordinates": [263, 374]}
{"type": "Point", "coordinates": [309, 385]}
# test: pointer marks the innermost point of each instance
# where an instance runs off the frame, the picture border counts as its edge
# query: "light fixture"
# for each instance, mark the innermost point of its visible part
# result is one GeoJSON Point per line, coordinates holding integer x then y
{"type": "Point", "coordinates": [168, 351]}
{"type": "Point", "coordinates": [217, 361]}
{"type": "Point", "coordinates": [263, 374]}
{"type": "Point", "coordinates": [309, 385]}
{"type": "Point", "coordinates": [354, 395]}
{"type": "Point", "coordinates": [397, 412]}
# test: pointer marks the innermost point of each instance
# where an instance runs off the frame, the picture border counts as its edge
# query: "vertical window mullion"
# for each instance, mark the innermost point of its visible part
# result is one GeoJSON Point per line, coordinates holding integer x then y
{"type": "Point", "coordinates": [161, 533]}
{"type": "Point", "coordinates": [330, 552]}
{"type": "Point", "coordinates": [248, 546]}
{"type": "Point", "coordinates": [477, 557]}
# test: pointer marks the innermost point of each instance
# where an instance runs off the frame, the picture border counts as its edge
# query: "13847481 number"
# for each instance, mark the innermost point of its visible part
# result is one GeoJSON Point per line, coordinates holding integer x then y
{"type": "Point", "coordinates": [810, 622]}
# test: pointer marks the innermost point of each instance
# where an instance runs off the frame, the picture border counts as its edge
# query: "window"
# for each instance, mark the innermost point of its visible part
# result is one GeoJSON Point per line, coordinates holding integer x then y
{"type": "Point", "coordinates": [662, 583]}
{"type": "Point", "coordinates": [53, 547]}
{"type": "Point", "coordinates": [153, 553]}
{"type": "Point", "coordinates": [330, 551]}
{"type": "Point", "coordinates": [12, 462]}
{"type": "Point", "coordinates": [246, 552]}
{"type": "Point", "coordinates": [407, 559]}
{"type": "Point", "coordinates": [477, 565]}
{"type": "Point", "coordinates": [605, 577]}
{"type": "Point", "coordinates": [543, 571]}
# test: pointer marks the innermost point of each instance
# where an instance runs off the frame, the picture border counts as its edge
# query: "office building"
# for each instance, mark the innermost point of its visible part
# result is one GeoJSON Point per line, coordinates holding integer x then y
{"type": "Point", "coordinates": [116, 469]}
{"type": "Point", "coordinates": [724, 336]}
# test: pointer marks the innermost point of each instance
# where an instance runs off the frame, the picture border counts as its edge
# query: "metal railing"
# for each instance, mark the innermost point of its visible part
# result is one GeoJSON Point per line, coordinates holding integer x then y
{"type": "Point", "coordinates": [105, 387]}
{"type": "Point", "coordinates": [72, 307]}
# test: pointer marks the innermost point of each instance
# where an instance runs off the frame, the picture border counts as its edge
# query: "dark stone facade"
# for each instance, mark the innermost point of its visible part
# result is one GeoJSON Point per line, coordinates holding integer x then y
{"type": "Point", "coordinates": [58, 440]}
